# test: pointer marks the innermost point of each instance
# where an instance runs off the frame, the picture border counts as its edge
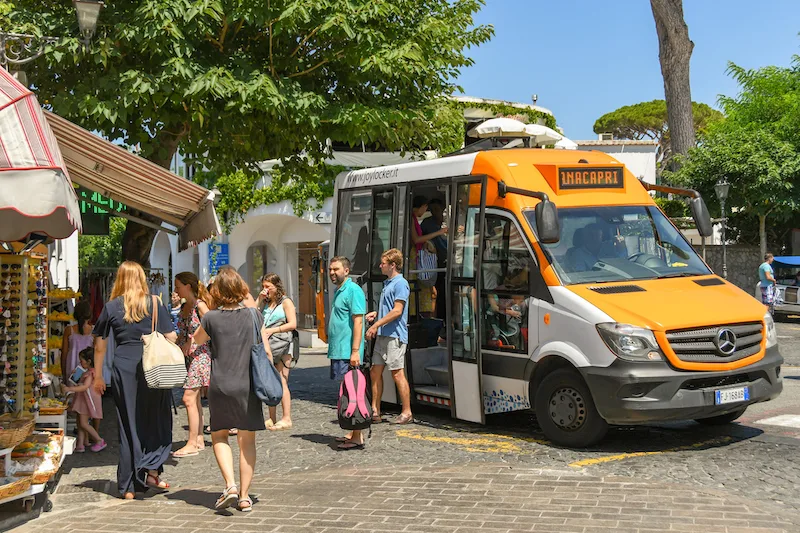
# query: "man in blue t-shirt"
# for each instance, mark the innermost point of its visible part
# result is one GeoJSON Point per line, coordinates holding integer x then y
{"type": "Point", "coordinates": [390, 332]}
{"type": "Point", "coordinates": [766, 276]}
{"type": "Point", "coordinates": [346, 331]}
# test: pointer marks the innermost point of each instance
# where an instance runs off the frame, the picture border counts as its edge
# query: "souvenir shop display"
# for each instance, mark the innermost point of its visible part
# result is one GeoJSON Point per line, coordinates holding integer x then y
{"type": "Point", "coordinates": [58, 318]}
{"type": "Point", "coordinates": [30, 458]}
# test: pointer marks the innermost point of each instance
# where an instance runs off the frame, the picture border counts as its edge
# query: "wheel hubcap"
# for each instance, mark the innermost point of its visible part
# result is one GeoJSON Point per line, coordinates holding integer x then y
{"type": "Point", "coordinates": [567, 408]}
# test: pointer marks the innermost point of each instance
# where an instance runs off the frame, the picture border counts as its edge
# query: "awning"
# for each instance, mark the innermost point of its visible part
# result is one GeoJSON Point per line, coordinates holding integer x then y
{"type": "Point", "coordinates": [36, 195]}
{"type": "Point", "coordinates": [787, 261]}
{"type": "Point", "coordinates": [140, 184]}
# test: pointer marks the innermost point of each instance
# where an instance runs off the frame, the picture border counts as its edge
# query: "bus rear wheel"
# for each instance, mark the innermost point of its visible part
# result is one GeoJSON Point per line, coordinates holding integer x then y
{"type": "Point", "coordinates": [566, 412]}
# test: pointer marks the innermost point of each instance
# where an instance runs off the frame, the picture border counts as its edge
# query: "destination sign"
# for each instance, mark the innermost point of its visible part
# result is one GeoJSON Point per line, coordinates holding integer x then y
{"type": "Point", "coordinates": [591, 178]}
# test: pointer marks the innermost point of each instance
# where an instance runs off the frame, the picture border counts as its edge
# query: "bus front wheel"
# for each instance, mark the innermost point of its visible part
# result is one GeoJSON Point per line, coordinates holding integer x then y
{"type": "Point", "coordinates": [566, 412]}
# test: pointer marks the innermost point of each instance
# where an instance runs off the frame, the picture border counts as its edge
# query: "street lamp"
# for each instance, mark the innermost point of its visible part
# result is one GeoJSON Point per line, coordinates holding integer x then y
{"type": "Point", "coordinates": [88, 13]}
{"type": "Point", "coordinates": [721, 189]}
{"type": "Point", "coordinates": [20, 48]}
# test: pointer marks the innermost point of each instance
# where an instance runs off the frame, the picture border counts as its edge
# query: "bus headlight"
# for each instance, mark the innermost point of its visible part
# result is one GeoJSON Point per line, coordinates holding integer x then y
{"type": "Point", "coordinates": [630, 342]}
{"type": "Point", "coordinates": [772, 334]}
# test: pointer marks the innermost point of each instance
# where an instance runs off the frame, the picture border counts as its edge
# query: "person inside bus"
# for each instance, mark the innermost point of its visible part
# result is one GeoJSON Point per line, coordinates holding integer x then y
{"type": "Point", "coordinates": [433, 224]}
{"type": "Point", "coordinates": [423, 294]}
{"type": "Point", "coordinates": [586, 245]}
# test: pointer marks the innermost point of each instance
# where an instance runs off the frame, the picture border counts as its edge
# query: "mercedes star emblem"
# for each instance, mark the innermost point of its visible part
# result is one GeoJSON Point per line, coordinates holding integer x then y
{"type": "Point", "coordinates": [726, 341]}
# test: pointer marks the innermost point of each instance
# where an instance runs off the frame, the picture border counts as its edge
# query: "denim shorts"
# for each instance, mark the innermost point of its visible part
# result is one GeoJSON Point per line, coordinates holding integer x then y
{"type": "Point", "coordinates": [339, 367]}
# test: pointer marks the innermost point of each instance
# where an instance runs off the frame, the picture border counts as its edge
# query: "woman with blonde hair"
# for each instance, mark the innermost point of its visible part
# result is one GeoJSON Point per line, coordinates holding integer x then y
{"type": "Point", "coordinates": [143, 414]}
{"type": "Point", "coordinates": [195, 306]}
{"type": "Point", "coordinates": [232, 403]}
{"type": "Point", "coordinates": [280, 319]}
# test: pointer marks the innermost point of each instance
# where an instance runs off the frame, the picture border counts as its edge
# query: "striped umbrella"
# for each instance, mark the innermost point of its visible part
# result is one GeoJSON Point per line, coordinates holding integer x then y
{"type": "Point", "coordinates": [36, 194]}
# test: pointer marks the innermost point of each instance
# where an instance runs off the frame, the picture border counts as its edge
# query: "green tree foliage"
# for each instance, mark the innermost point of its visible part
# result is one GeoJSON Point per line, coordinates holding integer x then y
{"type": "Point", "coordinates": [648, 120]}
{"type": "Point", "coordinates": [763, 171]}
{"type": "Point", "coordinates": [757, 148]}
{"type": "Point", "coordinates": [102, 250]}
{"type": "Point", "coordinates": [233, 82]}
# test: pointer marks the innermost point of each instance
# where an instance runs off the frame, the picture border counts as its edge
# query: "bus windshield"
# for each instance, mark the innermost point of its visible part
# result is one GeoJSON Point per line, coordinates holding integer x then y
{"type": "Point", "coordinates": [619, 243]}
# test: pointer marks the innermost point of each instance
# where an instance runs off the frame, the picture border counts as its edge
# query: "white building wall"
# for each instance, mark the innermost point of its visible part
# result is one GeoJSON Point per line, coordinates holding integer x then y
{"type": "Point", "coordinates": [639, 158]}
{"type": "Point", "coordinates": [64, 268]}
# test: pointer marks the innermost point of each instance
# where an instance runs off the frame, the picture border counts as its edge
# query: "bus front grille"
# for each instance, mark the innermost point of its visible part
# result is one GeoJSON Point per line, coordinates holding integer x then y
{"type": "Point", "coordinates": [716, 344]}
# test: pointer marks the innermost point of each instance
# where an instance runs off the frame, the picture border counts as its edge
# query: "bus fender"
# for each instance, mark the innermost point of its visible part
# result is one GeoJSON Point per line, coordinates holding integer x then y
{"type": "Point", "coordinates": [565, 351]}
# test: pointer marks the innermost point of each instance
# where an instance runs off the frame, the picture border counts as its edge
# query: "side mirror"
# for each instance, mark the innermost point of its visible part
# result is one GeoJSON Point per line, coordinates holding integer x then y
{"type": "Point", "coordinates": [547, 224]}
{"type": "Point", "coordinates": [701, 217]}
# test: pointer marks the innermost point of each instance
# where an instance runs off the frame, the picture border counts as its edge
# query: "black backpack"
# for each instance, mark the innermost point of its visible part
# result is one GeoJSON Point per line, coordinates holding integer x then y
{"type": "Point", "coordinates": [354, 407]}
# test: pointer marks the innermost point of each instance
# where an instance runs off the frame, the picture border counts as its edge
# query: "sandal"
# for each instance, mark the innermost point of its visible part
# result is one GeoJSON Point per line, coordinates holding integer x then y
{"type": "Point", "coordinates": [248, 505]}
{"type": "Point", "coordinates": [178, 454]}
{"type": "Point", "coordinates": [156, 483]}
{"type": "Point", "coordinates": [227, 498]}
{"type": "Point", "coordinates": [207, 430]}
{"type": "Point", "coordinates": [376, 419]}
{"type": "Point", "coordinates": [400, 420]}
{"type": "Point", "coordinates": [233, 432]}
{"type": "Point", "coordinates": [268, 423]}
{"type": "Point", "coordinates": [351, 445]}
{"type": "Point", "coordinates": [281, 425]}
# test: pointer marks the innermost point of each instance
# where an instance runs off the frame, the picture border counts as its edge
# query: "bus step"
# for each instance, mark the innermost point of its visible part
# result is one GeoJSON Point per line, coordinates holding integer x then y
{"type": "Point", "coordinates": [439, 374]}
{"type": "Point", "coordinates": [433, 394]}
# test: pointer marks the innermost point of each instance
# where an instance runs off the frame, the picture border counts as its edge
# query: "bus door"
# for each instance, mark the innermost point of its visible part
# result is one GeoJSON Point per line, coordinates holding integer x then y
{"type": "Point", "coordinates": [366, 226]}
{"type": "Point", "coordinates": [466, 237]}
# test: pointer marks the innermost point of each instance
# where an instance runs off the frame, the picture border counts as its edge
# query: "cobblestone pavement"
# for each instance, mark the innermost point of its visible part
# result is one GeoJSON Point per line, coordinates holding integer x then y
{"type": "Point", "coordinates": [453, 476]}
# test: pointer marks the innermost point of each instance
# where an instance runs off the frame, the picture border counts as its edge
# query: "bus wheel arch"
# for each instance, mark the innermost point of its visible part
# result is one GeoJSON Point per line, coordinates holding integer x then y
{"type": "Point", "coordinates": [563, 404]}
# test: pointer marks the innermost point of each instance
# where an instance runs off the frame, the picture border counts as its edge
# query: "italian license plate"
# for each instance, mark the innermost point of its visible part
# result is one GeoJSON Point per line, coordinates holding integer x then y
{"type": "Point", "coordinates": [740, 394]}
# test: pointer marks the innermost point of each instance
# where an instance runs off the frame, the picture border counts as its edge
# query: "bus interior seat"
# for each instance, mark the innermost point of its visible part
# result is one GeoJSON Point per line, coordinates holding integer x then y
{"type": "Point", "coordinates": [423, 358]}
{"type": "Point", "coordinates": [577, 242]}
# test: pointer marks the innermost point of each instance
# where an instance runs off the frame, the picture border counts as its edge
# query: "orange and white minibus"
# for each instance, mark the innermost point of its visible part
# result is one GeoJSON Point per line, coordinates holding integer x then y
{"type": "Point", "coordinates": [560, 287]}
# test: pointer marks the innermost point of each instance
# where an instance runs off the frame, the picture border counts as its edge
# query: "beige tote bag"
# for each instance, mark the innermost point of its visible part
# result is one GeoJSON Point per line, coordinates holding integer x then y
{"type": "Point", "coordinates": [162, 360]}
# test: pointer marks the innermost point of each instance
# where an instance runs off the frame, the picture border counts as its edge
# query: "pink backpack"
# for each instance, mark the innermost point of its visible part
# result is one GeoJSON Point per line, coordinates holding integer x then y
{"type": "Point", "coordinates": [355, 401]}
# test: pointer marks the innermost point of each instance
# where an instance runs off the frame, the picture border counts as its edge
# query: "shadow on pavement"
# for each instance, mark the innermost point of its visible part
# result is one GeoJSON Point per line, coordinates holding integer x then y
{"type": "Point", "coordinates": [318, 438]}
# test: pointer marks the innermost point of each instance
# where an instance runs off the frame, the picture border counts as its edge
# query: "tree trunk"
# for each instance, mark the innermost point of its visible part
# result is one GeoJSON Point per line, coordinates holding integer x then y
{"type": "Point", "coordinates": [674, 53]}
{"type": "Point", "coordinates": [762, 234]}
{"type": "Point", "coordinates": [137, 242]}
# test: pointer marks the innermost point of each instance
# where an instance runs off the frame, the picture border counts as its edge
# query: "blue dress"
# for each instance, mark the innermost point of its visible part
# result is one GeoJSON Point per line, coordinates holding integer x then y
{"type": "Point", "coordinates": [143, 414]}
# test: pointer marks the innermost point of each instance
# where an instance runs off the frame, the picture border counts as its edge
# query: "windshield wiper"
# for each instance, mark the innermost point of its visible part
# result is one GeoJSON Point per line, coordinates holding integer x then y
{"type": "Point", "coordinates": [679, 275]}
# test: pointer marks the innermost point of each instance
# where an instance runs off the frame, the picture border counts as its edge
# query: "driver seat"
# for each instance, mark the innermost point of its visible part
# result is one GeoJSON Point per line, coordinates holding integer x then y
{"type": "Point", "coordinates": [577, 242]}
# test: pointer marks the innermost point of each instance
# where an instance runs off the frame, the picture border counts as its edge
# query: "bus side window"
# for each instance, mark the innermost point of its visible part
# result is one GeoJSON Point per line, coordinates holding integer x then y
{"type": "Point", "coordinates": [505, 273]}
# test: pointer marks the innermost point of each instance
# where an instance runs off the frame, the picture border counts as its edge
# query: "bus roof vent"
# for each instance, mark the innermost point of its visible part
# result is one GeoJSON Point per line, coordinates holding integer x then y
{"type": "Point", "coordinates": [617, 289]}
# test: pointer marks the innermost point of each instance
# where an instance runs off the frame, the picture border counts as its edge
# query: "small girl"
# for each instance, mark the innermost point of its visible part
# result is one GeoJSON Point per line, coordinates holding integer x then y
{"type": "Point", "coordinates": [87, 404]}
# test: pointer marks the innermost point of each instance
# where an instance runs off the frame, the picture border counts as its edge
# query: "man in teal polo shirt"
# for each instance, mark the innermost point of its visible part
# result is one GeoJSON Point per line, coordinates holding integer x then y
{"type": "Point", "coordinates": [346, 331]}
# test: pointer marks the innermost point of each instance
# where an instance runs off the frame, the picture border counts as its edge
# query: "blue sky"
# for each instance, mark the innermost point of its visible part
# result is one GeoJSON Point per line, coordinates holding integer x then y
{"type": "Point", "coordinates": [584, 58]}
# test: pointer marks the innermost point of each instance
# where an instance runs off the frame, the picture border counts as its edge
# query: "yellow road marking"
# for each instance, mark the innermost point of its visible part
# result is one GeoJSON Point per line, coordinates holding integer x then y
{"type": "Point", "coordinates": [623, 456]}
{"type": "Point", "coordinates": [481, 443]}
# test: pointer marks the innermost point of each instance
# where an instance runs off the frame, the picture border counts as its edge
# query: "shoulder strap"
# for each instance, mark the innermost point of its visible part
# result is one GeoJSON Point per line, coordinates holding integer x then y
{"type": "Point", "coordinates": [257, 339]}
{"type": "Point", "coordinates": [155, 314]}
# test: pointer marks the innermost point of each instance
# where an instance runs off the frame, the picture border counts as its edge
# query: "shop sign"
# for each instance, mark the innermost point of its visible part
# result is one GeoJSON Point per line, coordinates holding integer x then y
{"type": "Point", "coordinates": [94, 217]}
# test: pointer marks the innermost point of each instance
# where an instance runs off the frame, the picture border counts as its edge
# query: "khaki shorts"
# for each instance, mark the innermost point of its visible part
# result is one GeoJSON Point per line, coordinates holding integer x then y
{"type": "Point", "coordinates": [389, 351]}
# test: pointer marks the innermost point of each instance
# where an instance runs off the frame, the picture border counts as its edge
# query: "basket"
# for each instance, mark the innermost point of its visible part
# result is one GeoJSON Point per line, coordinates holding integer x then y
{"type": "Point", "coordinates": [48, 411]}
{"type": "Point", "coordinates": [15, 430]}
{"type": "Point", "coordinates": [39, 478]}
{"type": "Point", "coordinates": [15, 487]}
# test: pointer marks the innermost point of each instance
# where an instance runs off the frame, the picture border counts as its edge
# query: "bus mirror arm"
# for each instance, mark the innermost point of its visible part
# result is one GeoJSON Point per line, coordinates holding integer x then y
{"type": "Point", "coordinates": [700, 214]}
{"type": "Point", "coordinates": [548, 226]}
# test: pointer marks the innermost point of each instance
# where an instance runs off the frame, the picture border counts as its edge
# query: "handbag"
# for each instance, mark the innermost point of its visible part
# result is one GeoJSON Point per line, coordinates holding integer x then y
{"type": "Point", "coordinates": [162, 360]}
{"type": "Point", "coordinates": [264, 377]}
{"type": "Point", "coordinates": [279, 343]}
{"type": "Point", "coordinates": [426, 261]}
